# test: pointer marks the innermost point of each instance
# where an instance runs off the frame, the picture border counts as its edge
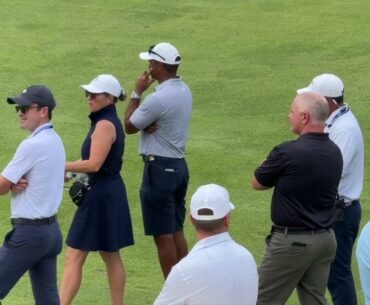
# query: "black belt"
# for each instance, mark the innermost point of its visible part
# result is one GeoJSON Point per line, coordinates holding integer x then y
{"type": "Point", "coordinates": [36, 221]}
{"type": "Point", "coordinates": [297, 231]}
{"type": "Point", "coordinates": [148, 158]}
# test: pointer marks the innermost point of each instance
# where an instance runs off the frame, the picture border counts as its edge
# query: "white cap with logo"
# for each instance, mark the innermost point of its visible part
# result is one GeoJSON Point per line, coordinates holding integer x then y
{"type": "Point", "coordinates": [105, 83]}
{"type": "Point", "coordinates": [162, 52]}
{"type": "Point", "coordinates": [212, 197]}
{"type": "Point", "coordinates": [328, 85]}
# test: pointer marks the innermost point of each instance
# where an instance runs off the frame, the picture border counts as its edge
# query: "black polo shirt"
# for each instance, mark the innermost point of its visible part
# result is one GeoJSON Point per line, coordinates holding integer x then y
{"type": "Point", "coordinates": [305, 174]}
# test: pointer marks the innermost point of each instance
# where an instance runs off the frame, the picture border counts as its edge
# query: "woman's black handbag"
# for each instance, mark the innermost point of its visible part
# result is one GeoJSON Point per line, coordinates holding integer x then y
{"type": "Point", "coordinates": [77, 192]}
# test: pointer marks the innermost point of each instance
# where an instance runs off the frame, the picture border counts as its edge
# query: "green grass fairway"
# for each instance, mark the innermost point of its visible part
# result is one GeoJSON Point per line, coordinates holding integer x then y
{"type": "Point", "coordinates": [243, 59]}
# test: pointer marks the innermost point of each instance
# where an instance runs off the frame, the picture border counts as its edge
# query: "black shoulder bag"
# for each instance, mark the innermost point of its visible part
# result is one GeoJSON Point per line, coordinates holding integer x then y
{"type": "Point", "coordinates": [77, 192]}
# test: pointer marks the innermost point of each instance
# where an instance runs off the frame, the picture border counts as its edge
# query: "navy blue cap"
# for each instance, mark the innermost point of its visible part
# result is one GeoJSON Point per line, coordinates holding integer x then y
{"type": "Point", "coordinates": [36, 94]}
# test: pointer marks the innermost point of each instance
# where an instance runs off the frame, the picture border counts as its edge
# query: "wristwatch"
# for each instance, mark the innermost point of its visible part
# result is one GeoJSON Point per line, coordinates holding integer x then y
{"type": "Point", "coordinates": [135, 96]}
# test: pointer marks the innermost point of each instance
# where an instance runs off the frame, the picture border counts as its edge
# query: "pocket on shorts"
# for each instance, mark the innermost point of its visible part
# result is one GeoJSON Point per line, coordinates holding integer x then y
{"type": "Point", "coordinates": [162, 178]}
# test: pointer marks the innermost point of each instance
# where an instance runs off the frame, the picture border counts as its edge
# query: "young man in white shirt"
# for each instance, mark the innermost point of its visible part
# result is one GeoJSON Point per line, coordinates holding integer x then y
{"type": "Point", "coordinates": [35, 176]}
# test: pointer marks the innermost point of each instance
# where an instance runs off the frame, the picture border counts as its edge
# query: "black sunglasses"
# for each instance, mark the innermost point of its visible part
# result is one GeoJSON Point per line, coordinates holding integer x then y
{"type": "Point", "coordinates": [24, 109]}
{"type": "Point", "coordinates": [93, 95]}
{"type": "Point", "coordinates": [150, 51]}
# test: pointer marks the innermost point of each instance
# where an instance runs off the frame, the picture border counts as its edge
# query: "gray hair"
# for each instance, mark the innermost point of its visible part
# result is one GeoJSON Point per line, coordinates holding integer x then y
{"type": "Point", "coordinates": [316, 105]}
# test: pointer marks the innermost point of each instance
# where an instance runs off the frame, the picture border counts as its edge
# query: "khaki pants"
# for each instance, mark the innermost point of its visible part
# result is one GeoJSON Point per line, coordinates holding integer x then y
{"type": "Point", "coordinates": [296, 261]}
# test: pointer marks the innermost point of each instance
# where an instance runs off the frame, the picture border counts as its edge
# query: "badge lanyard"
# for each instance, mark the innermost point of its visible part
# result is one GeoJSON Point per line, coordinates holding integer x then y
{"type": "Point", "coordinates": [339, 114]}
{"type": "Point", "coordinates": [41, 129]}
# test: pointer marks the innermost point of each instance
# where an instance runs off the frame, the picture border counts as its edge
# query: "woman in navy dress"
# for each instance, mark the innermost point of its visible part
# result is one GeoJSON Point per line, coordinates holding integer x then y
{"type": "Point", "coordinates": [102, 222]}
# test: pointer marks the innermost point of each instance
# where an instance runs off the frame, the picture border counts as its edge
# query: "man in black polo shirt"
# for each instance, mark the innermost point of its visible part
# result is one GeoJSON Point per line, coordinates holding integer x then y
{"type": "Point", "coordinates": [305, 174]}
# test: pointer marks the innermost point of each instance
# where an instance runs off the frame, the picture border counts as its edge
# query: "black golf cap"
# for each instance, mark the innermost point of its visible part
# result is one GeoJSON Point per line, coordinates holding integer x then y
{"type": "Point", "coordinates": [37, 94]}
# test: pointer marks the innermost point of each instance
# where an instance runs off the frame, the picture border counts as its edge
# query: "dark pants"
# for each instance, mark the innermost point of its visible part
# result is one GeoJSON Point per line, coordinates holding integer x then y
{"type": "Point", "coordinates": [32, 248]}
{"type": "Point", "coordinates": [341, 284]}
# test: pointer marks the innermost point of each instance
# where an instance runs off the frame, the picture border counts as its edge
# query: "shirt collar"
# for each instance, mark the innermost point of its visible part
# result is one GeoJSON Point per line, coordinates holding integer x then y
{"type": "Point", "coordinates": [41, 127]}
{"type": "Point", "coordinates": [210, 241]}
{"type": "Point", "coordinates": [95, 116]}
{"type": "Point", "coordinates": [336, 114]}
{"type": "Point", "coordinates": [168, 81]}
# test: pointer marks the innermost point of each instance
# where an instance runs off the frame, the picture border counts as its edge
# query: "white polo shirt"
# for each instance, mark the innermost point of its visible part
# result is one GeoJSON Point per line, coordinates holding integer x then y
{"type": "Point", "coordinates": [170, 106]}
{"type": "Point", "coordinates": [217, 271]}
{"type": "Point", "coordinates": [344, 130]}
{"type": "Point", "coordinates": [40, 159]}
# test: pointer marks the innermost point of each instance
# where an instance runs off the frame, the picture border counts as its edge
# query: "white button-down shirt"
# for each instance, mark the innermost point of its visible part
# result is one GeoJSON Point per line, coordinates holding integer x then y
{"type": "Point", "coordinates": [217, 271]}
{"type": "Point", "coordinates": [345, 131]}
{"type": "Point", "coordinates": [41, 160]}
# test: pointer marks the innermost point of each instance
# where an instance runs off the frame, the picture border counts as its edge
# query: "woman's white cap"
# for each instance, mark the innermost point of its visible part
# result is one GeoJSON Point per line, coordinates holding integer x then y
{"type": "Point", "coordinates": [105, 83]}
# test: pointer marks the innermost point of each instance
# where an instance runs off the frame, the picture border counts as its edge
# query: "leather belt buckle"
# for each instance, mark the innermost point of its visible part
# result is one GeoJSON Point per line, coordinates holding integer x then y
{"type": "Point", "coordinates": [148, 158]}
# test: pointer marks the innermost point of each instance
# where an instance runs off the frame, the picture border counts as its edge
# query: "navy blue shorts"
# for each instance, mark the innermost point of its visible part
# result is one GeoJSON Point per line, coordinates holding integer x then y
{"type": "Point", "coordinates": [162, 193]}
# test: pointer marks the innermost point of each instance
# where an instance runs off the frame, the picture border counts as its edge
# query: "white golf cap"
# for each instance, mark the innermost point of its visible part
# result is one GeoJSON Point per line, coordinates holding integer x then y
{"type": "Point", "coordinates": [212, 197]}
{"type": "Point", "coordinates": [163, 52]}
{"type": "Point", "coordinates": [328, 85]}
{"type": "Point", "coordinates": [105, 83]}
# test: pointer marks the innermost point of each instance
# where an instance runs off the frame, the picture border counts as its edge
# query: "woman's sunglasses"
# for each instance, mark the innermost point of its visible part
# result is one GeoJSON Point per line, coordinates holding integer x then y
{"type": "Point", "coordinates": [93, 95]}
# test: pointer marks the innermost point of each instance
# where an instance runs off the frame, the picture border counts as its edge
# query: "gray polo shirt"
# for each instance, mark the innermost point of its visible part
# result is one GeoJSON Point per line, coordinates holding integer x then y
{"type": "Point", "coordinates": [170, 107]}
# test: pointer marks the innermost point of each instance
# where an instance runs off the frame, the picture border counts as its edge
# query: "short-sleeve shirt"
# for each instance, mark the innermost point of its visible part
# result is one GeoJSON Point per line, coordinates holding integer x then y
{"type": "Point", "coordinates": [344, 130]}
{"type": "Point", "coordinates": [170, 107]}
{"type": "Point", "coordinates": [217, 271]}
{"type": "Point", "coordinates": [305, 174]}
{"type": "Point", "coordinates": [40, 159]}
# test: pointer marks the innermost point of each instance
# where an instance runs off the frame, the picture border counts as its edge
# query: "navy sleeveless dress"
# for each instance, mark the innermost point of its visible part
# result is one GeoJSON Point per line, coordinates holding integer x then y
{"type": "Point", "coordinates": [103, 222]}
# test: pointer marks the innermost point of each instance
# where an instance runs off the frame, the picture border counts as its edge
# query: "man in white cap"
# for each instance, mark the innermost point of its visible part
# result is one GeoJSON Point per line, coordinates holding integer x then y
{"type": "Point", "coordinates": [344, 130]}
{"type": "Point", "coordinates": [217, 271]}
{"type": "Point", "coordinates": [163, 119]}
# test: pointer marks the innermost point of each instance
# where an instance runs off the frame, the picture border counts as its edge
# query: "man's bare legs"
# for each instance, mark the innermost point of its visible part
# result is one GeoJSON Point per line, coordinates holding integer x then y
{"type": "Point", "coordinates": [171, 249]}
